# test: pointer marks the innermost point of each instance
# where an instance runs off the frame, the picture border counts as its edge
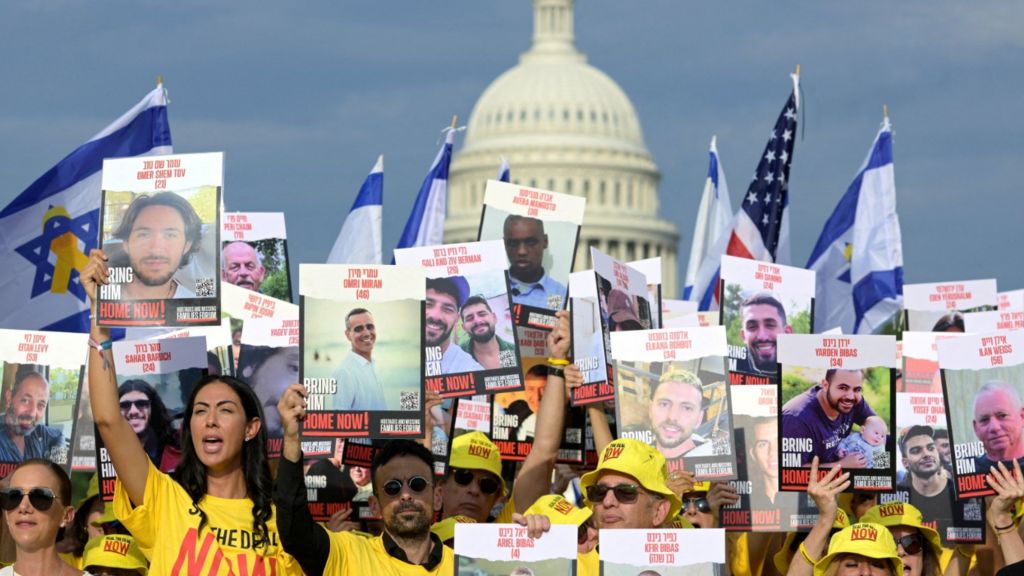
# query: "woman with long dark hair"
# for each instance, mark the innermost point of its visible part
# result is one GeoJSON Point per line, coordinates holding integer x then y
{"type": "Point", "coordinates": [213, 515]}
{"type": "Point", "coordinates": [146, 413]}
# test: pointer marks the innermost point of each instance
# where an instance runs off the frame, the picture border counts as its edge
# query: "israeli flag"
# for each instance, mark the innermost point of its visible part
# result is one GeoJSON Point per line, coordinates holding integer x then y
{"type": "Point", "coordinates": [359, 241]}
{"type": "Point", "coordinates": [505, 171]}
{"type": "Point", "coordinates": [425, 226]}
{"type": "Point", "coordinates": [859, 256]}
{"type": "Point", "coordinates": [46, 233]}
{"type": "Point", "coordinates": [714, 220]}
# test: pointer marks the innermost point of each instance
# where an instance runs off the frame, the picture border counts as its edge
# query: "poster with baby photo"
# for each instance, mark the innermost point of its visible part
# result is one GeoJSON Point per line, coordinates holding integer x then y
{"type": "Point", "coordinates": [836, 396]}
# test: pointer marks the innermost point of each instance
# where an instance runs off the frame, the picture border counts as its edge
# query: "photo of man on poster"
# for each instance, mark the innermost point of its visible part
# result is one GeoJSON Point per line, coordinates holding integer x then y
{"type": "Point", "coordinates": [445, 297]}
{"type": "Point", "coordinates": [526, 243]}
{"type": "Point", "coordinates": [159, 235]}
{"type": "Point", "coordinates": [23, 434]}
{"type": "Point", "coordinates": [762, 319]}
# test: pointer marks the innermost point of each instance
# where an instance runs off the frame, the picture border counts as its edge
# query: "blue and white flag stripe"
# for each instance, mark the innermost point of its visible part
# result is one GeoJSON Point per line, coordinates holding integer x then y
{"type": "Point", "coordinates": [425, 226]}
{"type": "Point", "coordinates": [859, 255]}
{"type": "Point", "coordinates": [40, 289]}
{"type": "Point", "coordinates": [359, 241]}
{"type": "Point", "coordinates": [714, 219]}
{"type": "Point", "coordinates": [505, 171]}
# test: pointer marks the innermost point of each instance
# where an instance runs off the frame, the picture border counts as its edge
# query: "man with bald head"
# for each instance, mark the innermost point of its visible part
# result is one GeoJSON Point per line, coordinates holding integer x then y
{"type": "Point", "coordinates": [22, 432]}
{"type": "Point", "coordinates": [241, 265]}
{"type": "Point", "coordinates": [525, 245]}
{"type": "Point", "coordinates": [998, 422]}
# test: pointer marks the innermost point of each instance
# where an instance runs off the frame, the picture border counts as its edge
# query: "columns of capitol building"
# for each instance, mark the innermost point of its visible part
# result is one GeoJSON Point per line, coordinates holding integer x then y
{"type": "Point", "coordinates": [567, 127]}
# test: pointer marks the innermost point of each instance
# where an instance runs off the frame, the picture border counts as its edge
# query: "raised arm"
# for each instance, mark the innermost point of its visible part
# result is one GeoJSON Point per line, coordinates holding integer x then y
{"type": "Point", "coordinates": [534, 478]}
{"type": "Point", "coordinates": [301, 537]}
{"type": "Point", "coordinates": [825, 493]}
{"type": "Point", "coordinates": [126, 452]}
{"type": "Point", "coordinates": [1009, 487]}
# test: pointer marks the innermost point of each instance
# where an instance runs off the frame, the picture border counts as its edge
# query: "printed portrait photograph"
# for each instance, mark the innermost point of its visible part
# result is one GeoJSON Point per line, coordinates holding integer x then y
{"type": "Point", "coordinates": [371, 349]}
{"type": "Point", "coordinates": [257, 265]}
{"type": "Point", "coordinates": [986, 415]}
{"type": "Point", "coordinates": [38, 404]}
{"type": "Point", "coordinates": [168, 239]}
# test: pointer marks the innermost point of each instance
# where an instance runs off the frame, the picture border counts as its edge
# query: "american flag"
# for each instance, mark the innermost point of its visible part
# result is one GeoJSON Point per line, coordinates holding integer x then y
{"type": "Point", "coordinates": [761, 226]}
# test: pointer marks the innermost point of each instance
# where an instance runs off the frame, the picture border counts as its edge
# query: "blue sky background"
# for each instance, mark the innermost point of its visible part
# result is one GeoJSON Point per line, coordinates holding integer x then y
{"type": "Point", "coordinates": [302, 97]}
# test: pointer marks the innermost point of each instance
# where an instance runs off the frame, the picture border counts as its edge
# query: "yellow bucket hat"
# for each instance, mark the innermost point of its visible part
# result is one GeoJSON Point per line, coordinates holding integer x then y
{"type": "Point", "coordinates": [639, 460]}
{"type": "Point", "coordinates": [864, 539]}
{"type": "Point", "coordinates": [445, 529]}
{"type": "Point", "coordinates": [114, 551]}
{"type": "Point", "coordinates": [559, 510]}
{"type": "Point", "coordinates": [902, 514]}
{"type": "Point", "coordinates": [475, 451]}
{"type": "Point", "coordinates": [782, 557]}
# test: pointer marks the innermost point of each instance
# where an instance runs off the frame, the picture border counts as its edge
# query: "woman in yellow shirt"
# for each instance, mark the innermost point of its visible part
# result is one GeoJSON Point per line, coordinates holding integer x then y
{"type": "Point", "coordinates": [213, 515]}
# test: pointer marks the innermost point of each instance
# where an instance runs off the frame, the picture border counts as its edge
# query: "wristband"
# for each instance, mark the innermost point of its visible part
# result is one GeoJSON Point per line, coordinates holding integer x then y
{"type": "Point", "coordinates": [100, 346]}
{"type": "Point", "coordinates": [803, 552]}
{"type": "Point", "coordinates": [556, 371]}
{"type": "Point", "coordinates": [1004, 529]}
{"type": "Point", "coordinates": [558, 361]}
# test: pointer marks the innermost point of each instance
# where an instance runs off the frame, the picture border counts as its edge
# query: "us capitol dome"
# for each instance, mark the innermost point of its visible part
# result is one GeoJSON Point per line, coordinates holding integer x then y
{"type": "Point", "coordinates": [563, 125]}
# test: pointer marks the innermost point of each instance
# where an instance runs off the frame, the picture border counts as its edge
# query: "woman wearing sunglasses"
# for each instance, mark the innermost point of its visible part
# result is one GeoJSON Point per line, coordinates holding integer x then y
{"type": "Point", "coordinates": [37, 510]}
{"type": "Point", "coordinates": [918, 546]}
{"type": "Point", "coordinates": [214, 516]}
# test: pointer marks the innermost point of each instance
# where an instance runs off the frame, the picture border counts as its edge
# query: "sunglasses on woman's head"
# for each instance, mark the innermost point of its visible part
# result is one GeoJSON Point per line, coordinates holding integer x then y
{"type": "Point", "coordinates": [911, 543]}
{"type": "Point", "coordinates": [624, 493]}
{"type": "Point", "coordinates": [40, 498]}
{"type": "Point", "coordinates": [141, 404]}
{"type": "Point", "coordinates": [417, 484]}
{"type": "Point", "coordinates": [487, 484]}
{"type": "Point", "coordinates": [701, 504]}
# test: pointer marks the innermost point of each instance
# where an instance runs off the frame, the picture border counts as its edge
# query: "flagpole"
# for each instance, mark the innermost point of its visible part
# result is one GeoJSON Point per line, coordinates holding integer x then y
{"type": "Point", "coordinates": [885, 110]}
{"type": "Point", "coordinates": [159, 79]}
{"type": "Point", "coordinates": [455, 119]}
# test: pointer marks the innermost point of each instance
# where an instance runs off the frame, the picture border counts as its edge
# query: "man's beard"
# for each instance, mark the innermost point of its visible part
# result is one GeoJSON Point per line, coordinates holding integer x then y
{"type": "Point", "coordinates": [925, 474]}
{"type": "Point", "coordinates": [443, 337]}
{"type": "Point", "coordinates": [417, 526]}
{"type": "Point", "coordinates": [770, 365]}
{"type": "Point", "coordinates": [151, 281]}
{"type": "Point", "coordinates": [15, 428]}
{"type": "Point", "coordinates": [483, 337]}
{"type": "Point", "coordinates": [663, 443]}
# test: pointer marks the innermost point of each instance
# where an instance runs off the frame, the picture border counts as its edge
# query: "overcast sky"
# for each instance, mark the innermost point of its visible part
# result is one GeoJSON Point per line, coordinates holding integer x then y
{"type": "Point", "coordinates": [303, 96]}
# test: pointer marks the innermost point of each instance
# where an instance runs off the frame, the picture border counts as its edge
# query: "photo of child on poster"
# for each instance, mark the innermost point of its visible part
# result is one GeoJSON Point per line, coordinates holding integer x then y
{"type": "Point", "coordinates": [835, 400]}
{"type": "Point", "coordinates": [160, 226]}
{"type": "Point", "coordinates": [760, 302]}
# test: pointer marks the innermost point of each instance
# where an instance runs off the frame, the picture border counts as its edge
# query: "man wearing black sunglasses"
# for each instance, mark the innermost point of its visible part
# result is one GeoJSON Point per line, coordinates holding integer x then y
{"type": "Point", "coordinates": [359, 388]}
{"type": "Point", "coordinates": [403, 487]}
{"type": "Point", "coordinates": [22, 436]}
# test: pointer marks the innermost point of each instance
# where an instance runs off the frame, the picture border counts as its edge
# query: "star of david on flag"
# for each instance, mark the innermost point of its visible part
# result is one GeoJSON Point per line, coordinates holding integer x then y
{"type": "Point", "coordinates": [46, 233]}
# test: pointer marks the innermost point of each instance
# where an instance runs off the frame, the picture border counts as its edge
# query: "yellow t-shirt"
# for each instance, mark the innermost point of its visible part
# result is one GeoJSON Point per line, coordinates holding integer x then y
{"type": "Point", "coordinates": [359, 556]}
{"type": "Point", "coordinates": [588, 564]}
{"type": "Point", "coordinates": [166, 531]}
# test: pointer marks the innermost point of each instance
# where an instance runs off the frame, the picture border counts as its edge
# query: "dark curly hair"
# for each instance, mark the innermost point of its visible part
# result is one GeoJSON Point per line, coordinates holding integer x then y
{"type": "Point", "coordinates": [191, 472]}
{"type": "Point", "coordinates": [193, 224]}
{"type": "Point", "coordinates": [159, 418]}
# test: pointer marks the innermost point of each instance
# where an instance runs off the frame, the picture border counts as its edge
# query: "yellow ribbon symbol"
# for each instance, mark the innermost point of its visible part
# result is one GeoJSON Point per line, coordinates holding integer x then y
{"type": "Point", "coordinates": [69, 257]}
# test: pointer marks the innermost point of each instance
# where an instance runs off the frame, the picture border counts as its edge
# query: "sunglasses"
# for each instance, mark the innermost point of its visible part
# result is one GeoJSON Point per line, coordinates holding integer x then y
{"type": "Point", "coordinates": [359, 329]}
{"type": "Point", "coordinates": [911, 543]}
{"type": "Point", "coordinates": [487, 484]}
{"type": "Point", "coordinates": [700, 503]}
{"type": "Point", "coordinates": [40, 498]}
{"type": "Point", "coordinates": [141, 404]}
{"type": "Point", "coordinates": [417, 484]}
{"type": "Point", "coordinates": [624, 493]}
